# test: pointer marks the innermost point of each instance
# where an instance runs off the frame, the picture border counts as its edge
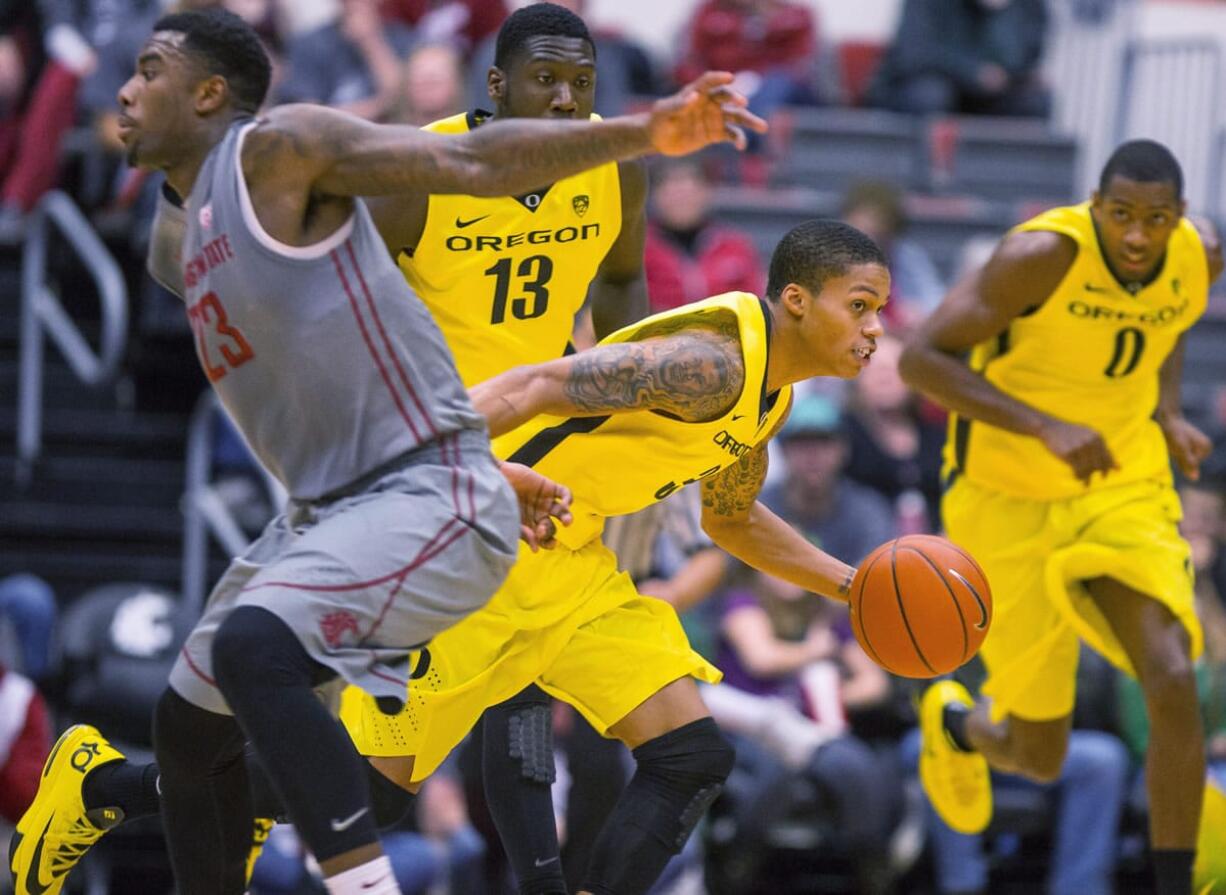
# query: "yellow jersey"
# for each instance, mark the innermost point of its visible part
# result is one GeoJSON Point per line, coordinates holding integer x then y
{"type": "Point", "coordinates": [504, 277]}
{"type": "Point", "coordinates": [1090, 354]}
{"type": "Point", "coordinates": [623, 462]}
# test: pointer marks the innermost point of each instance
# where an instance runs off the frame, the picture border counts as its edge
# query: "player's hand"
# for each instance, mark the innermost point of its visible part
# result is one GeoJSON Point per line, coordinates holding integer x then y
{"type": "Point", "coordinates": [543, 504]}
{"type": "Point", "coordinates": [703, 112]}
{"type": "Point", "coordinates": [1080, 447]}
{"type": "Point", "coordinates": [1189, 446]}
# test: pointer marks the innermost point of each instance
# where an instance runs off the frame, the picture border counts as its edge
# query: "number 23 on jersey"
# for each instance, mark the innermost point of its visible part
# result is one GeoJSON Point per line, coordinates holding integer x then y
{"type": "Point", "coordinates": [212, 330]}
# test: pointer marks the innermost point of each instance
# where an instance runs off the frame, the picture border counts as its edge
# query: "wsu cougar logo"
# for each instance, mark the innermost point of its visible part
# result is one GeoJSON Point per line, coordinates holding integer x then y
{"type": "Point", "coordinates": [335, 624]}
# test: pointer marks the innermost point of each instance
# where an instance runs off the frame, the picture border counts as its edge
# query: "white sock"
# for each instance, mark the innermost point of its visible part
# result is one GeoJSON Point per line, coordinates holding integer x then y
{"type": "Point", "coordinates": [372, 878]}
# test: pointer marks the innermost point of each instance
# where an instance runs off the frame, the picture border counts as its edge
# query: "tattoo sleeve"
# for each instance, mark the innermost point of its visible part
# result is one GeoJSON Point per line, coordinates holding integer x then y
{"type": "Point", "coordinates": [733, 491]}
{"type": "Point", "coordinates": [694, 376]}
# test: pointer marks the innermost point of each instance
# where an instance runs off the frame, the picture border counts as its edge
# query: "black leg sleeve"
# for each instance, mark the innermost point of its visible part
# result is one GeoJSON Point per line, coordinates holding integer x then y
{"type": "Point", "coordinates": [519, 771]}
{"type": "Point", "coordinates": [268, 679]}
{"type": "Point", "coordinates": [206, 808]}
{"type": "Point", "coordinates": [679, 775]}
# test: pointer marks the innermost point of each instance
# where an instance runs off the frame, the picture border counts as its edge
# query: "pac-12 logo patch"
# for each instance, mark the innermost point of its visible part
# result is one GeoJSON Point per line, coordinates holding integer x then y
{"type": "Point", "coordinates": [580, 204]}
{"type": "Point", "coordinates": [335, 624]}
{"type": "Point", "coordinates": [206, 216]}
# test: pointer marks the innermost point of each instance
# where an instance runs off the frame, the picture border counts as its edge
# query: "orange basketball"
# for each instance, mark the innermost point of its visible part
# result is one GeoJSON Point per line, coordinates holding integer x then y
{"type": "Point", "coordinates": [920, 606]}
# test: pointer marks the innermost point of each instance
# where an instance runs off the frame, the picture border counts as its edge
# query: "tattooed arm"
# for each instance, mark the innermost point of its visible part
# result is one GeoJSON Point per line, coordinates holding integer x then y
{"type": "Point", "coordinates": [695, 375]}
{"type": "Point", "coordinates": [739, 523]}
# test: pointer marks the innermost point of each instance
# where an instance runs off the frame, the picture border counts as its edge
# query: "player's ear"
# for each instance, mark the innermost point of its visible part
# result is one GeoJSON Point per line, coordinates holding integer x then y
{"type": "Point", "coordinates": [495, 83]}
{"type": "Point", "coordinates": [212, 93]}
{"type": "Point", "coordinates": [795, 299]}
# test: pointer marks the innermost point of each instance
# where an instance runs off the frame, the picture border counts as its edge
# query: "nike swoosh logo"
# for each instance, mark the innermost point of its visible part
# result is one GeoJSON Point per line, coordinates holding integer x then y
{"type": "Point", "coordinates": [34, 885]}
{"type": "Point", "coordinates": [341, 825]}
{"type": "Point", "coordinates": [1090, 287]}
{"type": "Point", "coordinates": [983, 609]}
{"type": "Point", "coordinates": [462, 224]}
{"type": "Point", "coordinates": [375, 882]}
{"type": "Point", "coordinates": [737, 416]}
{"type": "Point", "coordinates": [539, 863]}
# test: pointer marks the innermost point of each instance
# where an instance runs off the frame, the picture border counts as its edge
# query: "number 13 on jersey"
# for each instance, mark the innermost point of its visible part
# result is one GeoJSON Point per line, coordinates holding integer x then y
{"type": "Point", "coordinates": [532, 277]}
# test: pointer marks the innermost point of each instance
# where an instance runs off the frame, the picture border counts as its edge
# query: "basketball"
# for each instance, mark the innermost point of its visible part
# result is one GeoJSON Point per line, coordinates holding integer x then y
{"type": "Point", "coordinates": [920, 606]}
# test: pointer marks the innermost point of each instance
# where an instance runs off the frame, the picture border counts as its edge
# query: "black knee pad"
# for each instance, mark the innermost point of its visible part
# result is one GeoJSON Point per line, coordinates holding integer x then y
{"type": "Point", "coordinates": [526, 723]}
{"type": "Point", "coordinates": [686, 768]}
{"type": "Point", "coordinates": [254, 648]}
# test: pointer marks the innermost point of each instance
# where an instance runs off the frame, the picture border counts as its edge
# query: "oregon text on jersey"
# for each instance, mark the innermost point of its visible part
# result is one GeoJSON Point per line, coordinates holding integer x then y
{"type": "Point", "coordinates": [1159, 317]}
{"type": "Point", "coordinates": [459, 242]}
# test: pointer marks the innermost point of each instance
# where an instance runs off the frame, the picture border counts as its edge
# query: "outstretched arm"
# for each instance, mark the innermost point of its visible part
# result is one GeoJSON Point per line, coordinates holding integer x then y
{"type": "Point", "coordinates": [338, 155]}
{"type": "Point", "coordinates": [695, 375]}
{"type": "Point", "coordinates": [737, 521]}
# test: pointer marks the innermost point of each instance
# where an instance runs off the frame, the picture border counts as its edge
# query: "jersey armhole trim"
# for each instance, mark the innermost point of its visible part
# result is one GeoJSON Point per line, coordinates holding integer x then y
{"type": "Point", "coordinates": [301, 253]}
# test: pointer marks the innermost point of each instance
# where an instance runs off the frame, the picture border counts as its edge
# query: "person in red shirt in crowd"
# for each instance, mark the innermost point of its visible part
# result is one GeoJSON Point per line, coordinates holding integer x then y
{"type": "Point", "coordinates": [466, 22]}
{"type": "Point", "coordinates": [771, 44]}
{"type": "Point", "coordinates": [687, 256]}
{"type": "Point", "coordinates": [25, 740]}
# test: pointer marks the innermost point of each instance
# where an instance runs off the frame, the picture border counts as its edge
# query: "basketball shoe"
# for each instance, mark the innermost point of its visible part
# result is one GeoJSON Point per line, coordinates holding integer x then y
{"type": "Point", "coordinates": [57, 830]}
{"type": "Point", "coordinates": [957, 782]}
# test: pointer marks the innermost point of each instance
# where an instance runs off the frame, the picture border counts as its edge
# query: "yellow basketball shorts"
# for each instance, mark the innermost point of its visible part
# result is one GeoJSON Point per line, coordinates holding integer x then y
{"type": "Point", "coordinates": [1037, 556]}
{"type": "Point", "coordinates": [566, 620]}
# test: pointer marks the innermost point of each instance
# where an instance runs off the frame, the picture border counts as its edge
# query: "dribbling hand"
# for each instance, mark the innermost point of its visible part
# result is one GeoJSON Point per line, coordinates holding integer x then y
{"type": "Point", "coordinates": [703, 112]}
{"type": "Point", "coordinates": [1081, 447]}
{"type": "Point", "coordinates": [543, 503]}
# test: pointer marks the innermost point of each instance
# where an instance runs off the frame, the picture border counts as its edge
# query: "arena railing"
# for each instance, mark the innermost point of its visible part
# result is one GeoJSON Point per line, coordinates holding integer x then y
{"type": "Point", "coordinates": [43, 315]}
{"type": "Point", "coordinates": [204, 512]}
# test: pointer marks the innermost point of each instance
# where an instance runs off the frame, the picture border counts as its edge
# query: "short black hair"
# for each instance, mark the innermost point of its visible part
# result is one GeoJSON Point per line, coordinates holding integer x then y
{"type": "Point", "coordinates": [1144, 161]}
{"type": "Point", "coordinates": [537, 20]}
{"type": "Point", "coordinates": [815, 251]}
{"type": "Point", "coordinates": [225, 45]}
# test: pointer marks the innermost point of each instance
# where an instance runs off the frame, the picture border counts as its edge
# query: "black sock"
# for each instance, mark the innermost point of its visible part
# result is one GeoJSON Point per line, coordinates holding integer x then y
{"type": "Point", "coordinates": [133, 788]}
{"type": "Point", "coordinates": [1173, 870]}
{"type": "Point", "coordinates": [954, 718]}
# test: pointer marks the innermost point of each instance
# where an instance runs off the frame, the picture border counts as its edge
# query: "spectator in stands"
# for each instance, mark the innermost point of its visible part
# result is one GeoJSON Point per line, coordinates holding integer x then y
{"type": "Point", "coordinates": [25, 740]}
{"type": "Point", "coordinates": [791, 670]}
{"type": "Point", "coordinates": [894, 449]}
{"type": "Point", "coordinates": [772, 43]}
{"type": "Point", "coordinates": [623, 68]}
{"type": "Point", "coordinates": [840, 516]}
{"type": "Point", "coordinates": [42, 60]}
{"type": "Point", "coordinates": [978, 57]}
{"type": "Point", "coordinates": [433, 85]}
{"type": "Point", "coordinates": [27, 603]}
{"type": "Point", "coordinates": [352, 62]}
{"type": "Point", "coordinates": [462, 23]}
{"type": "Point", "coordinates": [876, 208]}
{"type": "Point", "coordinates": [1084, 805]}
{"type": "Point", "coordinates": [688, 256]}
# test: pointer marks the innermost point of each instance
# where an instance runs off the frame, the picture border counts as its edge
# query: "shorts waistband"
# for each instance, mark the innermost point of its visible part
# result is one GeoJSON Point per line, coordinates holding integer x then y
{"type": "Point", "coordinates": [467, 441]}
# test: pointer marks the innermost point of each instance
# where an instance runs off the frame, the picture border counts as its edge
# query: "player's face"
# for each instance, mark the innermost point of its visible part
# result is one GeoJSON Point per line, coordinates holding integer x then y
{"type": "Point", "coordinates": [155, 104]}
{"type": "Point", "coordinates": [843, 322]}
{"type": "Point", "coordinates": [551, 77]}
{"type": "Point", "coordinates": [1135, 220]}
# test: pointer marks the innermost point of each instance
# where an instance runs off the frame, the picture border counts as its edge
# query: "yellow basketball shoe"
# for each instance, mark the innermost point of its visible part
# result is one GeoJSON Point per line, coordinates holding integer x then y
{"type": "Point", "coordinates": [57, 830]}
{"type": "Point", "coordinates": [259, 836]}
{"type": "Point", "coordinates": [957, 782]}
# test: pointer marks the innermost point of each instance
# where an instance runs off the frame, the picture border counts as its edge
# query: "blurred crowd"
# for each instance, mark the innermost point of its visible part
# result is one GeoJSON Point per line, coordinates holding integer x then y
{"type": "Point", "coordinates": [824, 793]}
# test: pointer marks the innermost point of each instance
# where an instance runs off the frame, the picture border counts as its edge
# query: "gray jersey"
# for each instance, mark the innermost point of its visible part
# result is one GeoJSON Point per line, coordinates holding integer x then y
{"type": "Point", "coordinates": [323, 356]}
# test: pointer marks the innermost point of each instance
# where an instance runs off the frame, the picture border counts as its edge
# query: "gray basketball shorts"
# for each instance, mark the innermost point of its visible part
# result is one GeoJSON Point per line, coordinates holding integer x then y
{"type": "Point", "coordinates": [367, 575]}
